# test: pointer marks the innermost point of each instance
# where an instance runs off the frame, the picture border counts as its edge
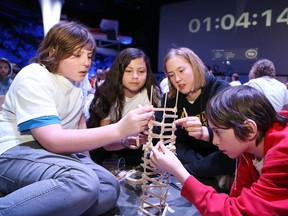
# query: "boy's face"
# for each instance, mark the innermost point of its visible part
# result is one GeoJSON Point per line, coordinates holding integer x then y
{"type": "Point", "coordinates": [227, 142]}
{"type": "Point", "coordinates": [76, 67]}
{"type": "Point", "coordinates": [4, 69]}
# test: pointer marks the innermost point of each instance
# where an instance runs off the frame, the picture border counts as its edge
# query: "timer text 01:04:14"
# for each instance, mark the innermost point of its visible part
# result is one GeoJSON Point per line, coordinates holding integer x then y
{"type": "Point", "coordinates": [245, 20]}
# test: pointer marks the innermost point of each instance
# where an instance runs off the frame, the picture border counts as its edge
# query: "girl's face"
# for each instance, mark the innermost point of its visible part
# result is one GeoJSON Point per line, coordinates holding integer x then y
{"type": "Point", "coordinates": [4, 69]}
{"type": "Point", "coordinates": [226, 141]}
{"type": "Point", "coordinates": [180, 74]}
{"type": "Point", "coordinates": [76, 66]}
{"type": "Point", "coordinates": [134, 77]}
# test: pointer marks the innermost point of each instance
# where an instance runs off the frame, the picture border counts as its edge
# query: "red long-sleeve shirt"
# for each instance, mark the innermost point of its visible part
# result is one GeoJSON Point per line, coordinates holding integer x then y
{"type": "Point", "coordinates": [251, 193]}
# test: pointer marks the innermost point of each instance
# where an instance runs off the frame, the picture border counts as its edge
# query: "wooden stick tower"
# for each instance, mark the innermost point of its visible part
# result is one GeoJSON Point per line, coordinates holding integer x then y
{"type": "Point", "coordinates": [155, 183]}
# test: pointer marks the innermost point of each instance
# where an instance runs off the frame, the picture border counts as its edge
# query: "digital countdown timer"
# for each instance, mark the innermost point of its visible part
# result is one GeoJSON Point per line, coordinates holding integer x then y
{"type": "Point", "coordinates": [237, 31]}
{"type": "Point", "coordinates": [245, 20]}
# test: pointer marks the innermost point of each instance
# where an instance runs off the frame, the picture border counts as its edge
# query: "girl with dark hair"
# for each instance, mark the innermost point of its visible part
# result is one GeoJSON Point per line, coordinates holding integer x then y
{"type": "Point", "coordinates": [246, 127]}
{"type": "Point", "coordinates": [127, 85]}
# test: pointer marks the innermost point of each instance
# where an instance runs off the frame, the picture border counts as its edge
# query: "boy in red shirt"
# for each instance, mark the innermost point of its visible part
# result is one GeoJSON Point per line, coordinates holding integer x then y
{"type": "Point", "coordinates": [245, 127]}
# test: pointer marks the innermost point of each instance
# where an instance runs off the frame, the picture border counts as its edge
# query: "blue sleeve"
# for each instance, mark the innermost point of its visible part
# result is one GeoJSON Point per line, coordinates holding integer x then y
{"type": "Point", "coordinates": [38, 122]}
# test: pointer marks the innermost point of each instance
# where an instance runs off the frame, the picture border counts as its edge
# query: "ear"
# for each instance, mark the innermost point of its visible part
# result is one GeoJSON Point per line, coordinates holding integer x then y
{"type": "Point", "coordinates": [253, 128]}
{"type": "Point", "coordinates": [51, 52]}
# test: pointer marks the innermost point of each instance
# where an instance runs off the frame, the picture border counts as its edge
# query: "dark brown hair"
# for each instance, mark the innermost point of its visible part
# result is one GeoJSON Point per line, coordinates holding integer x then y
{"type": "Point", "coordinates": [231, 107]}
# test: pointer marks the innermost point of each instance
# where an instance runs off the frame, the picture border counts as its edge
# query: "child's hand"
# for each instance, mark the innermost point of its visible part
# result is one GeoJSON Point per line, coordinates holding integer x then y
{"type": "Point", "coordinates": [136, 120]}
{"type": "Point", "coordinates": [164, 159]}
{"type": "Point", "coordinates": [135, 141]}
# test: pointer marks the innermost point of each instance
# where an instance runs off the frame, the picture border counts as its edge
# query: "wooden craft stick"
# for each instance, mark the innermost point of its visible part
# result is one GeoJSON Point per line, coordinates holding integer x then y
{"type": "Point", "coordinates": [137, 141]}
{"type": "Point", "coordinates": [186, 115]}
{"type": "Point", "coordinates": [151, 95]}
{"type": "Point", "coordinates": [163, 109]}
{"type": "Point", "coordinates": [177, 98]}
